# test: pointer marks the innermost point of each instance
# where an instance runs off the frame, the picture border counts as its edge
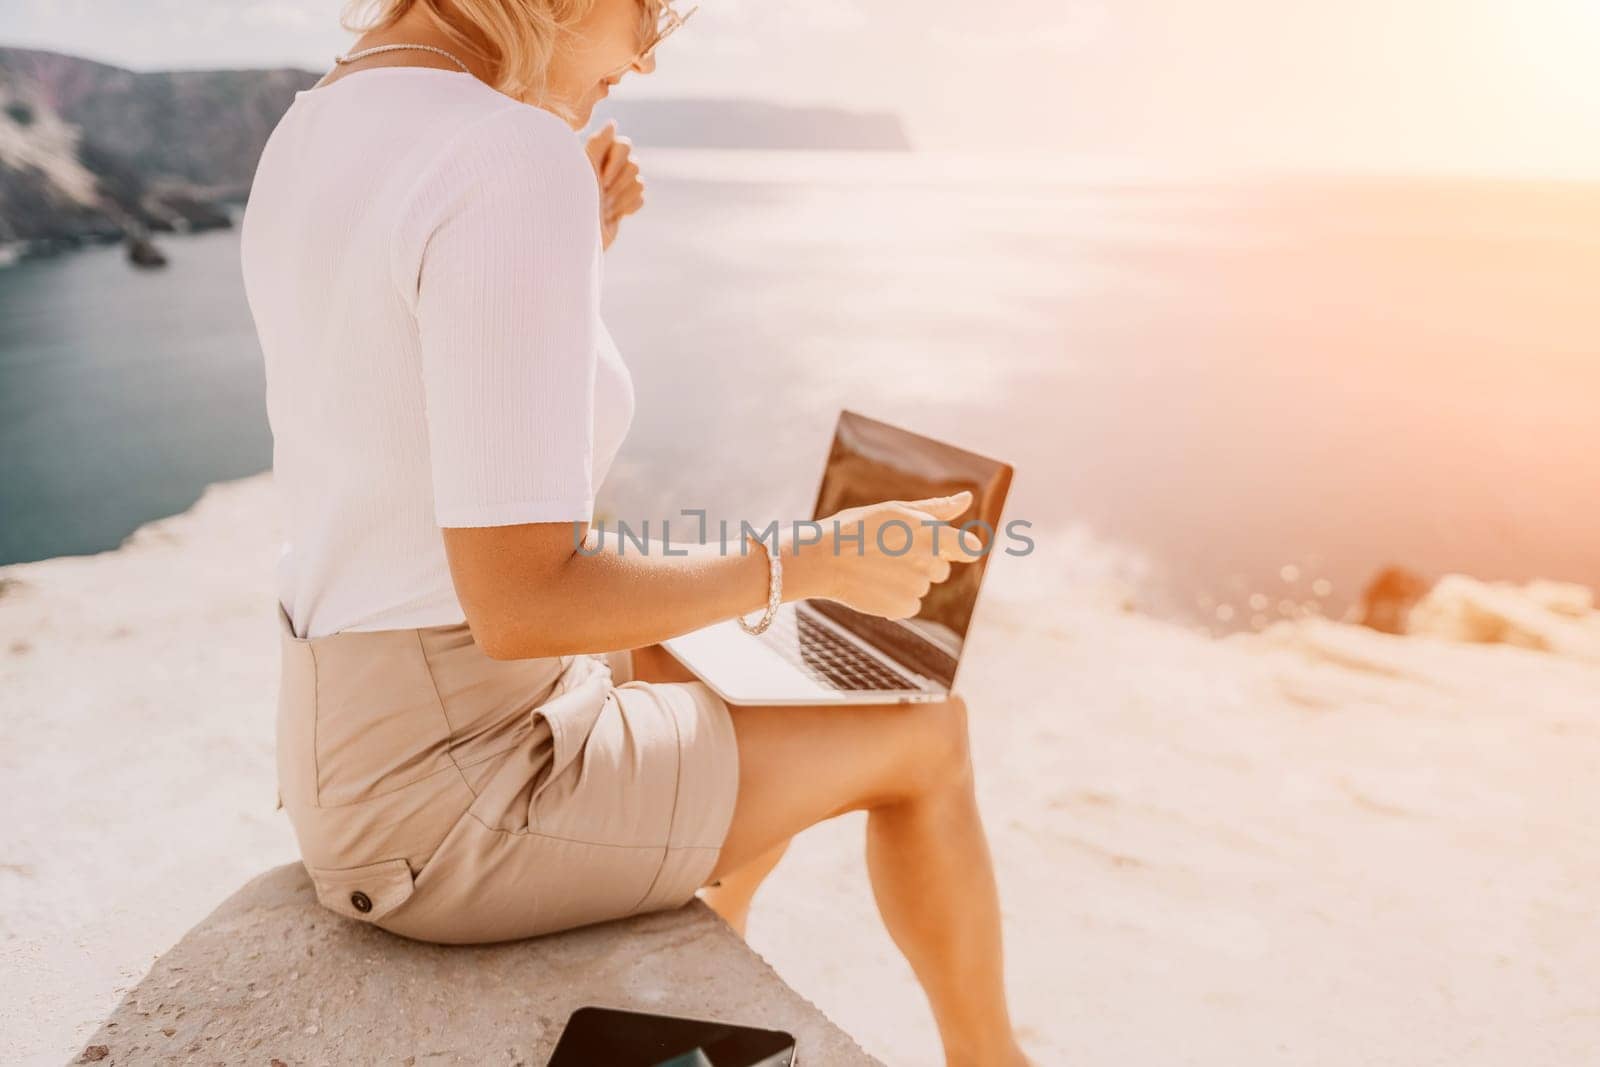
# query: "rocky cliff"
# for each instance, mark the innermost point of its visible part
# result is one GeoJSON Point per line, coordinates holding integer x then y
{"type": "Point", "coordinates": [93, 151]}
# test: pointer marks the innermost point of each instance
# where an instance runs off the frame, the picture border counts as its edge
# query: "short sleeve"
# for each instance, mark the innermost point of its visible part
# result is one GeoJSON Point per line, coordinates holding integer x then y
{"type": "Point", "coordinates": [505, 241]}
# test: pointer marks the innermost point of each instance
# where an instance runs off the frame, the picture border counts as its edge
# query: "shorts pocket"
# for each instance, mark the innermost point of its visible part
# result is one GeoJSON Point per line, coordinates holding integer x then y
{"type": "Point", "coordinates": [368, 892]}
{"type": "Point", "coordinates": [580, 698]}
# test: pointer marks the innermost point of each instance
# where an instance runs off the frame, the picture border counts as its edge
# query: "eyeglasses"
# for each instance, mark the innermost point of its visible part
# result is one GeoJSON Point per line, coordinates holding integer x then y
{"type": "Point", "coordinates": [666, 24]}
{"type": "Point", "coordinates": [670, 20]}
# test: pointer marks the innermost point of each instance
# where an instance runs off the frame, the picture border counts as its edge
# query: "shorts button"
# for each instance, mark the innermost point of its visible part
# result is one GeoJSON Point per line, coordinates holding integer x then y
{"type": "Point", "coordinates": [361, 902]}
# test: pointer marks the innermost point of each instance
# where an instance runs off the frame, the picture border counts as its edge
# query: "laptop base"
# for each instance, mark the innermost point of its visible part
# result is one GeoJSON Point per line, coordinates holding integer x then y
{"type": "Point", "coordinates": [742, 669]}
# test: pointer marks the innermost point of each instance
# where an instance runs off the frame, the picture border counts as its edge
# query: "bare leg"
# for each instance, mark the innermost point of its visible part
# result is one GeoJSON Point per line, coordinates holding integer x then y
{"type": "Point", "coordinates": [731, 897]}
{"type": "Point", "coordinates": [927, 855]}
{"type": "Point", "coordinates": [931, 874]}
{"type": "Point", "coordinates": [908, 767]}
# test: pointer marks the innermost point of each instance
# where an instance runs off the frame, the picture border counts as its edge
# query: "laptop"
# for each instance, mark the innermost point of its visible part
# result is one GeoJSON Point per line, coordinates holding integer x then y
{"type": "Point", "coordinates": [822, 652]}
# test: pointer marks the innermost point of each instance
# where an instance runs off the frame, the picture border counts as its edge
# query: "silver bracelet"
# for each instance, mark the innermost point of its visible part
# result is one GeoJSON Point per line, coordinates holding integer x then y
{"type": "Point", "coordinates": [774, 591]}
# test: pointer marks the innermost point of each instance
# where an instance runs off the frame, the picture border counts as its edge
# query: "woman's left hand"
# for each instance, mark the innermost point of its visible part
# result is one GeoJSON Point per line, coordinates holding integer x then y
{"type": "Point", "coordinates": [621, 191]}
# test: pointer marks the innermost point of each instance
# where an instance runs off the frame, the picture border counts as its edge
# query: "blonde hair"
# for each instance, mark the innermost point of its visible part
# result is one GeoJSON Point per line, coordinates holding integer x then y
{"type": "Point", "coordinates": [514, 38]}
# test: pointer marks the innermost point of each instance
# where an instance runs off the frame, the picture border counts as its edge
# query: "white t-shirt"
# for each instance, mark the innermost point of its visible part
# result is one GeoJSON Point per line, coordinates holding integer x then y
{"type": "Point", "coordinates": [422, 259]}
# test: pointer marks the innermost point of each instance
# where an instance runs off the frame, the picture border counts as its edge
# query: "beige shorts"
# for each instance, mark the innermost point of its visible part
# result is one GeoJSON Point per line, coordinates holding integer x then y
{"type": "Point", "coordinates": [450, 797]}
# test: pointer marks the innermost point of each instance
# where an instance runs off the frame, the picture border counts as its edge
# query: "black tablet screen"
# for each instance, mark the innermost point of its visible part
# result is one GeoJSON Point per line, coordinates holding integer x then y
{"type": "Point", "coordinates": [604, 1037]}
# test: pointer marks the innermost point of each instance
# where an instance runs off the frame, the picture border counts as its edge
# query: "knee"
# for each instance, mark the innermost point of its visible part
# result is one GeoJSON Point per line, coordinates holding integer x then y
{"type": "Point", "coordinates": [943, 754]}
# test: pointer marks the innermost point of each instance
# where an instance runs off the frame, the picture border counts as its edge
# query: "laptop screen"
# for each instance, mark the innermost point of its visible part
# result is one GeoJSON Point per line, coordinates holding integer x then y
{"type": "Point", "coordinates": [871, 462]}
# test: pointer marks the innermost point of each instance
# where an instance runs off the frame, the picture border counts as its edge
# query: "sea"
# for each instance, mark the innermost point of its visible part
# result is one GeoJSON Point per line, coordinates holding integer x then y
{"type": "Point", "coordinates": [1235, 398]}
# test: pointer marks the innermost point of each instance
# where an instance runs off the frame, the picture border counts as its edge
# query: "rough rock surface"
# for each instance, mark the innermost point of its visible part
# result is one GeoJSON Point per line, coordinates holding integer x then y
{"type": "Point", "coordinates": [272, 977]}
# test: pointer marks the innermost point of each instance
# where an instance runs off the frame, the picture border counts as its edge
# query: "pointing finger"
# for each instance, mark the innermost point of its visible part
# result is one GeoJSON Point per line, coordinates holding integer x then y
{"type": "Point", "coordinates": [944, 507]}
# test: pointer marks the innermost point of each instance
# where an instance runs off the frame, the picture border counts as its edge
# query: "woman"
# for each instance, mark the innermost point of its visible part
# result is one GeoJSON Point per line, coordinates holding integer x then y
{"type": "Point", "coordinates": [462, 753]}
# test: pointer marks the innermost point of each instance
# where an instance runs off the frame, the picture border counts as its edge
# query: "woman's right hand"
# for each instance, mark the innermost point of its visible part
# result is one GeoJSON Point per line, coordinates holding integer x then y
{"type": "Point", "coordinates": [881, 559]}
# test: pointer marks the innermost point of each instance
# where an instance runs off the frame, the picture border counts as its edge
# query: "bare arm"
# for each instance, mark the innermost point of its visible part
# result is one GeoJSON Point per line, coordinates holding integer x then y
{"type": "Point", "coordinates": [527, 591]}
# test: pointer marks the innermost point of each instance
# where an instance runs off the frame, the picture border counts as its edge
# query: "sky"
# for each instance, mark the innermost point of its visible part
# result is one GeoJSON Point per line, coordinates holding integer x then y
{"type": "Point", "coordinates": [1497, 86]}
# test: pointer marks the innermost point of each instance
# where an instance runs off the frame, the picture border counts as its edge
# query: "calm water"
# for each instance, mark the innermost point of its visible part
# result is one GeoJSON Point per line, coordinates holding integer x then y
{"type": "Point", "coordinates": [122, 393]}
{"type": "Point", "coordinates": [1222, 389]}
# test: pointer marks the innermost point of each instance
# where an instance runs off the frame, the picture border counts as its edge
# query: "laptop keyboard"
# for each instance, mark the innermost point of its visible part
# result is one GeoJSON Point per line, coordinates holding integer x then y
{"type": "Point", "coordinates": [829, 658]}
